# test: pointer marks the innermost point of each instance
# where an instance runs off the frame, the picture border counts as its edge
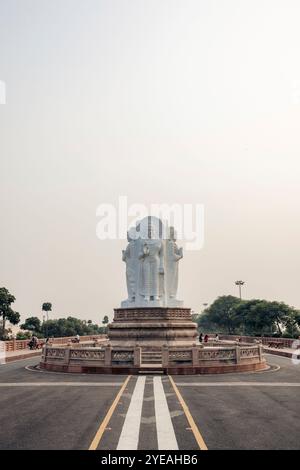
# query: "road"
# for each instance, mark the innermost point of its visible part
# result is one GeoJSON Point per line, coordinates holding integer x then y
{"type": "Point", "coordinates": [45, 410]}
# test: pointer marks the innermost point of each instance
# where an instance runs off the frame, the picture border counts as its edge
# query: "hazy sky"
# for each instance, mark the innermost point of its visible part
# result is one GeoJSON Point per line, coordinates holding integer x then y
{"type": "Point", "coordinates": [163, 101]}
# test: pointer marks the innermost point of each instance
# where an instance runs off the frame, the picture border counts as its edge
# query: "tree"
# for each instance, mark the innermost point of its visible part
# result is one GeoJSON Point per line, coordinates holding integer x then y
{"type": "Point", "coordinates": [220, 315]}
{"type": "Point", "coordinates": [250, 317]}
{"type": "Point", "coordinates": [253, 318]}
{"type": "Point", "coordinates": [292, 325]}
{"type": "Point", "coordinates": [32, 324]}
{"type": "Point", "coordinates": [105, 322]}
{"type": "Point", "coordinates": [6, 312]}
{"type": "Point", "coordinates": [47, 307]}
{"type": "Point", "coordinates": [23, 335]}
{"type": "Point", "coordinates": [263, 317]}
{"type": "Point", "coordinates": [69, 326]}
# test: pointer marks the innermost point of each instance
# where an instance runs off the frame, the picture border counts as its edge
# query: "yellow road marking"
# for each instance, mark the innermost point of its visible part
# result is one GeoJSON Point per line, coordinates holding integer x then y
{"type": "Point", "coordinates": [103, 425]}
{"type": "Point", "coordinates": [194, 428]}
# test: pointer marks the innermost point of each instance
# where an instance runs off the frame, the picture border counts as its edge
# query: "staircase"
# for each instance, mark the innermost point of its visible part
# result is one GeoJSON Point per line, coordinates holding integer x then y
{"type": "Point", "coordinates": [153, 357]}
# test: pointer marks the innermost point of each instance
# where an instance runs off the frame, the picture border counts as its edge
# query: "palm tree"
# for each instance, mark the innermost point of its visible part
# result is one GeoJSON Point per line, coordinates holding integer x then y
{"type": "Point", "coordinates": [47, 307]}
{"type": "Point", "coordinates": [104, 322]}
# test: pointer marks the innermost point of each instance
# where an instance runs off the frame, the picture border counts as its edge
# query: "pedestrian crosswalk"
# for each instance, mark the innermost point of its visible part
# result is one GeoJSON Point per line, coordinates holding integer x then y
{"type": "Point", "coordinates": [148, 415]}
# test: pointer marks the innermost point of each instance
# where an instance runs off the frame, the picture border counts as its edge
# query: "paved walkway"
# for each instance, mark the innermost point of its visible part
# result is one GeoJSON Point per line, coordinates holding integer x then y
{"type": "Point", "coordinates": [21, 354]}
{"type": "Point", "coordinates": [285, 352]}
{"type": "Point", "coordinates": [45, 410]}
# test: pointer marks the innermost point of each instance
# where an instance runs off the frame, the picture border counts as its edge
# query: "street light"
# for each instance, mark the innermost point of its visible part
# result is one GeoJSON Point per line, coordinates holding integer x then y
{"type": "Point", "coordinates": [240, 284]}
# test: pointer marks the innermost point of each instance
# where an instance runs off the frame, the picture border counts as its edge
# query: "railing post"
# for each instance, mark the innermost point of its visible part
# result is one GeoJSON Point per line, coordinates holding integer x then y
{"type": "Point", "coordinates": [67, 355]}
{"type": "Point", "coordinates": [237, 354]}
{"type": "Point", "coordinates": [137, 356]}
{"type": "Point", "coordinates": [165, 356]}
{"type": "Point", "coordinates": [195, 356]}
{"type": "Point", "coordinates": [107, 359]}
{"type": "Point", "coordinates": [260, 352]}
{"type": "Point", "coordinates": [44, 353]}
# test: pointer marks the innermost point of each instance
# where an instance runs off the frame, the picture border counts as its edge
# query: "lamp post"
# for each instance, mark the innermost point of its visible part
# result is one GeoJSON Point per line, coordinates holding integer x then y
{"type": "Point", "coordinates": [240, 284]}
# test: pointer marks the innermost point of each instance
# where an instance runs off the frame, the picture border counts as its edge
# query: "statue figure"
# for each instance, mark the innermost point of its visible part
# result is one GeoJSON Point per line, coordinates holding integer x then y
{"type": "Point", "coordinates": [151, 265]}
{"type": "Point", "coordinates": [129, 257]}
{"type": "Point", "coordinates": [174, 255]}
{"type": "Point", "coordinates": [151, 269]}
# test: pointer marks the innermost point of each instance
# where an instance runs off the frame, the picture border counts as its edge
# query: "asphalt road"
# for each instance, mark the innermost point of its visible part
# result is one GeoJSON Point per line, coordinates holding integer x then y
{"type": "Point", "coordinates": [44, 410]}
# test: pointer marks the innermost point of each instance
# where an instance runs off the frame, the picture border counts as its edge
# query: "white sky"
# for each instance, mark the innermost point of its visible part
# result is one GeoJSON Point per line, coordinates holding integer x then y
{"type": "Point", "coordinates": [163, 101]}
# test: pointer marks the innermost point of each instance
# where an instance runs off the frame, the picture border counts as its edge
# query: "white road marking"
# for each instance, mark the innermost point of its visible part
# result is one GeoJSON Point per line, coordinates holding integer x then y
{"type": "Point", "coordinates": [60, 384]}
{"type": "Point", "coordinates": [237, 384]}
{"type": "Point", "coordinates": [129, 437]}
{"type": "Point", "coordinates": [165, 432]}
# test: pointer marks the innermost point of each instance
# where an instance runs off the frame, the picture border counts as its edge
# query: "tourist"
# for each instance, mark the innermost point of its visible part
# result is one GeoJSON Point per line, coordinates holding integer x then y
{"type": "Point", "coordinates": [201, 338]}
{"type": "Point", "coordinates": [33, 342]}
{"type": "Point", "coordinates": [217, 337]}
{"type": "Point", "coordinates": [205, 338]}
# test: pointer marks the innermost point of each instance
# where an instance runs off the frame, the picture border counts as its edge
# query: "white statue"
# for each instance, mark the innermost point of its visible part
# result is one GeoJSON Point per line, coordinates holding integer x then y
{"type": "Point", "coordinates": [174, 254]}
{"type": "Point", "coordinates": [151, 266]}
{"type": "Point", "coordinates": [128, 256]}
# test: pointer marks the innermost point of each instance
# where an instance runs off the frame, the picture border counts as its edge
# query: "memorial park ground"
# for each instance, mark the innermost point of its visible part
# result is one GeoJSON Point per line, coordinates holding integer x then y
{"type": "Point", "coordinates": [47, 410]}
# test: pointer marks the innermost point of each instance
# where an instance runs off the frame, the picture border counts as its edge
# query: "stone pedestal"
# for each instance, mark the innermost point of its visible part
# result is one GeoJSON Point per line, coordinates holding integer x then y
{"type": "Point", "coordinates": [152, 327]}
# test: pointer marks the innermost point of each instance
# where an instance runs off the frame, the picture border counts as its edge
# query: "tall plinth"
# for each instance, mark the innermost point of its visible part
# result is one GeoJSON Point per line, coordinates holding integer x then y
{"type": "Point", "coordinates": [152, 327]}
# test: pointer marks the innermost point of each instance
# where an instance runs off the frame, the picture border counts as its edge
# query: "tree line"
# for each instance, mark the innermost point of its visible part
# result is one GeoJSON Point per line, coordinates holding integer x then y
{"type": "Point", "coordinates": [256, 317]}
{"type": "Point", "coordinates": [60, 327]}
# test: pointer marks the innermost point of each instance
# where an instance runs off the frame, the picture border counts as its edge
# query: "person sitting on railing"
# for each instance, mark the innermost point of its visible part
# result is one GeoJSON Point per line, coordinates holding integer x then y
{"type": "Point", "coordinates": [217, 337]}
{"type": "Point", "coordinates": [76, 339]}
{"type": "Point", "coordinates": [206, 339]}
{"type": "Point", "coordinates": [33, 343]}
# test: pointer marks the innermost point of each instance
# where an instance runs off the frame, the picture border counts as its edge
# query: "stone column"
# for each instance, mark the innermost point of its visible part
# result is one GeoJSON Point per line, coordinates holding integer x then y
{"type": "Point", "coordinates": [237, 354]}
{"type": "Point", "coordinates": [137, 356]}
{"type": "Point", "coordinates": [260, 352]}
{"type": "Point", "coordinates": [107, 360]}
{"type": "Point", "coordinates": [67, 355]}
{"type": "Point", "coordinates": [44, 353]}
{"type": "Point", "coordinates": [165, 356]}
{"type": "Point", "coordinates": [195, 356]}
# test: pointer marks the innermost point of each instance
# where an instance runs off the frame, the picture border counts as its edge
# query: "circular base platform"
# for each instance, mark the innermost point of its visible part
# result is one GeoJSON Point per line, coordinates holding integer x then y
{"type": "Point", "coordinates": [174, 370]}
{"type": "Point", "coordinates": [189, 360]}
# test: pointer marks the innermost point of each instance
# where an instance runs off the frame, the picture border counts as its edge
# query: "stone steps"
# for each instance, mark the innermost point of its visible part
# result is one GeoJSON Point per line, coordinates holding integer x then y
{"type": "Point", "coordinates": [151, 371]}
{"type": "Point", "coordinates": [151, 357]}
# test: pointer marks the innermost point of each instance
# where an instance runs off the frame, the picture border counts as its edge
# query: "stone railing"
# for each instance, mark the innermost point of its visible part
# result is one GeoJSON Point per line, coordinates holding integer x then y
{"type": "Point", "coordinates": [75, 359]}
{"type": "Point", "coordinates": [265, 340]}
{"type": "Point", "coordinates": [17, 345]}
{"type": "Point", "coordinates": [209, 356]}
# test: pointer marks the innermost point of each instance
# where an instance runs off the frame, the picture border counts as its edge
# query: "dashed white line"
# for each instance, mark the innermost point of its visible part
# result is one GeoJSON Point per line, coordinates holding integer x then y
{"type": "Point", "coordinates": [165, 431]}
{"type": "Point", "coordinates": [60, 384]}
{"type": "Point", "coordinates": [237, 384]}
{"type": "Point", "coordinates": [129, 437]}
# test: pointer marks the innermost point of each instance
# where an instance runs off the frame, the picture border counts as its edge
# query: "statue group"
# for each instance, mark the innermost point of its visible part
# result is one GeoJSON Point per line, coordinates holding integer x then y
{"type": "Point", "coordinates": [151, 258]}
